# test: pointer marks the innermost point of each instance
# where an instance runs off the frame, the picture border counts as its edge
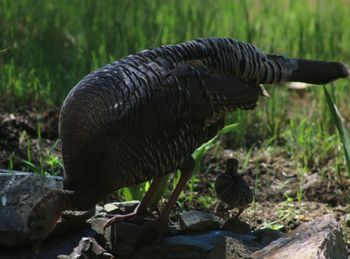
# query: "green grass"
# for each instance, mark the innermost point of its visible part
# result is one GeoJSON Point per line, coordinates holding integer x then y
{"type": "Point", "coordinates": [46, 47]}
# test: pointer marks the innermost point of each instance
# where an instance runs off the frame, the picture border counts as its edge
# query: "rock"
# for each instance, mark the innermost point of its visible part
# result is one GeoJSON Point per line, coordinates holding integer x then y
{"type": "Point", "coordinates": [126, 239]}
{"type": "Point", "coordinates": [63, 244]}
{"type": "Point", "coordinates": [99, 212]}
{"type": "Point", "coordinates": [72, 219]}
{"type": "Point", "coordinates": [193, 220]}
{"type": "Point", "coordinates": [266, 236]}
{"type": "Point", "coordinates": [103, 237]}
{"type": "Point", "coordinates": [196, 245]}
{"type": "Point", "coordinates": [118, 238]}
{"type": "Point", "coordinates": [88, 248]}
{"type": "Point", "coordinates": [170, 251]}
{"type": "Point", "coordinates": [237, 226]}
{"type": "Point", "coordinates": [206, 240]}
{"type": "Point", "coordinates": [120, 207]}
{"type": "Point", "coordinates": [320, 238]}
{"type": "Point", "coordinates": [233, 248]}
{"type": "Point", "coordinates": [19, 191]}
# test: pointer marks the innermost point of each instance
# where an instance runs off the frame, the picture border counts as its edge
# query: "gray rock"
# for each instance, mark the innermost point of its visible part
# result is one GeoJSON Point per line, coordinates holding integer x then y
{"type": "Point", "coordinates": [235, 225]}
{"type": "Point", "coordinates": [207, 240]}
{"type": "Point", "coordinates": [103, 237]}
{"type": "Point", "coordinates": [18, 193]}
{"type": "Point", "coordinates": [170, 251]}
{"type": "Point", "coordinates": [51, 248]}
{"type": "Point", "coordinates": [266, 236]}
{"type": "Point", "coordinates": [120, 207]}
{"type": "Point", "coordinates": [196, 245]}
{"type": "Point", "coordinates": [191, 221]}
{"type": "Point", "coordinates": [118, 238]}
{"type": "Point", "coordinates": [72, 220]}
{"type": "Point", "coordinates": [230, 247]}
{"type": "Point", "coordinates": [320, 238]}
{"type": "Point", "coordinates": [88, 248]}
{"type": "Point", "coordinates": [126, 240]}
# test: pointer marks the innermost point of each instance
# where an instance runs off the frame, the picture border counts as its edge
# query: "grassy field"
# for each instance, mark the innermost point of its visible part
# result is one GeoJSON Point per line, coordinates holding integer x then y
{"type": "Point", "coordinates": [46, 47]}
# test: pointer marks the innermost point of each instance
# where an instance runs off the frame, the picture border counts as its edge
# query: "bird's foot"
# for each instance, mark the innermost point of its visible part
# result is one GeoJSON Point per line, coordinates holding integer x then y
{"type": "Point", "coordinates": [117, 218]}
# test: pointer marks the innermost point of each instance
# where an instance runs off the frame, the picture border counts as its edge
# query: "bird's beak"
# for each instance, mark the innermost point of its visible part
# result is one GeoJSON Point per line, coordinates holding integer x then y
{"type": "Point", "coordinates": [263, 91]}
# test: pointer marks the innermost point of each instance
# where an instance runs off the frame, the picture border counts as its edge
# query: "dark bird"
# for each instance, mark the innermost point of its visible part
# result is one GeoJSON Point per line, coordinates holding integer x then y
{"type": "Point", "coordinates": [231, 188]}
{"type": "Point", "coordinates": [142, 116]}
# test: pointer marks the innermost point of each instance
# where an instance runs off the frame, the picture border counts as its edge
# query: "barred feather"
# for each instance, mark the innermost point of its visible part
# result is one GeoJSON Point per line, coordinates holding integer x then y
{"type": "Point", "coordinates": [142, 116]}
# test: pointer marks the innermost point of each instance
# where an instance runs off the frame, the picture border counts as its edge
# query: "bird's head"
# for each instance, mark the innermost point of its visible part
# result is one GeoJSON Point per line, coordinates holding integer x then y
{"type": "Point", "coordinates": [232, 166]}
{"type": "Point", "coordinates": [45, 215]}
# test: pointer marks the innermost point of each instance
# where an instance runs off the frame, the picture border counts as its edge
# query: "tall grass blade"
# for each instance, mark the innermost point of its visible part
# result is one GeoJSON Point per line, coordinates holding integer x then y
{"type": "Point", "coordinates": [341, 126]}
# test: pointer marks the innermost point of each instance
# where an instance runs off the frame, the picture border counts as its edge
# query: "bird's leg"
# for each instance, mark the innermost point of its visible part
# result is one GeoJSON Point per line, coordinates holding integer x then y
{"type": "Point", "coordinates": [186, 173]}
{"type": "Point", "coordinates": [155, 229]}
{"type": "Point", "coordinates": [141, 208]}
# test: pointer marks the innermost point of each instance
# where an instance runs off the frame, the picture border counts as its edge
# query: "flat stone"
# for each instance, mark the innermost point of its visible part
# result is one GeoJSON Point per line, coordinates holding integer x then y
{"type": "Point", "coordinates": [121, 207]}
{"type": "Point", "coordinates": [191, 221]}
{"type": "Point", "coordinates": [320, 238]}
{"type": "Point", "coordinates": [170, 251]}
{"type": "Point", "coordinates": [196, 245]}
{"type": "Point", "coordinates": [266, 236]}
{"type": "Point", "coordinates": [207, 240]}
{"type": "Point", "coordinates": [235, 225]}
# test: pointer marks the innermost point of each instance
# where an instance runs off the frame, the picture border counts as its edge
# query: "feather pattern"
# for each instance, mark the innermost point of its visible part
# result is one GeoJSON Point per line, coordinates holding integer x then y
{"type": "Point", "coordinates": [142, 116]}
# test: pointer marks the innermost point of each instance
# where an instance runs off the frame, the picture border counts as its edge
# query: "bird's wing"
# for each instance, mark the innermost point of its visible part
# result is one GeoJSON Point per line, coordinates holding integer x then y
{"type": "Point", "coordinates": [208, 88]}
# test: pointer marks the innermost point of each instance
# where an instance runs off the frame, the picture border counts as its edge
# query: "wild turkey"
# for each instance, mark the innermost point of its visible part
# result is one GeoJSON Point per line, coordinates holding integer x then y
{"type": "Point", "coordinates": [231, 188]}
{"type": "Point", "coordinates": [141, 117]}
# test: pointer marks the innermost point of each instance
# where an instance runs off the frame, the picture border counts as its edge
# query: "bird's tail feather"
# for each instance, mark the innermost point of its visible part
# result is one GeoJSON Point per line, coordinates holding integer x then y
{"type": "Point", "coordinates": [318, 72]}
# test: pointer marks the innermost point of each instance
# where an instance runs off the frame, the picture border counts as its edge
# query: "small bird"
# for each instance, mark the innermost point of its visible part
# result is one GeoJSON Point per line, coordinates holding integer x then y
{"type": "Point", "coordinates": [231, 188]}
{"type": "Point", "coordinates": [141, 117]}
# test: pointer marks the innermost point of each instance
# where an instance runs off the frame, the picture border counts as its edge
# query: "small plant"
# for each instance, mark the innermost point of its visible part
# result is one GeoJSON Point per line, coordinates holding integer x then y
{"type": "Point", "coordinates": [49, 163]}
{"type": "Point", "coordinates": [10, 166]}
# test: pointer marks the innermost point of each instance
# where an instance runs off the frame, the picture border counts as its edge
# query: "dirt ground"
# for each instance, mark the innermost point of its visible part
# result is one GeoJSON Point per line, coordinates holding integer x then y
{"type": "Point", "coordinates": [284, 196]}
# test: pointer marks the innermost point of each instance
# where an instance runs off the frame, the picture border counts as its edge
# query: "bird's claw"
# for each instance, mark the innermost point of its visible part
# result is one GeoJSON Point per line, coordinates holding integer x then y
{"type": "Point", "coordinates": [117, 218]}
